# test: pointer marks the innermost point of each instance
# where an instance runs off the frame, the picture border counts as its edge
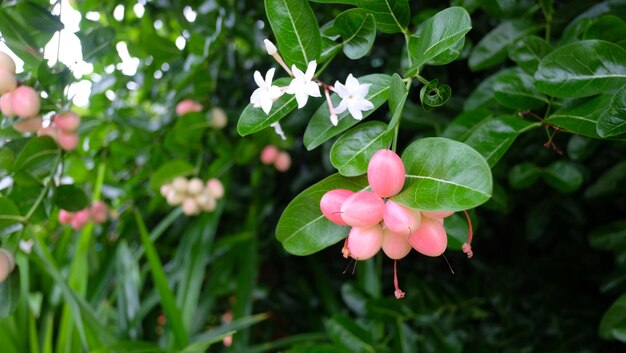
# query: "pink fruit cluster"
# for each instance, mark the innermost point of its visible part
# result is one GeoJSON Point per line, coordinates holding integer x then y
{"type": "Point", "coordinates": [194, 194]}
{"type": "Point", "coordinates": [272, 155]}
{"type": "Point", "coordinates": [7, 264]}
{"type": "Point", "coordinates": [63, 129]}
{"type": "Point", "coordinates": [187, 106]}
{"type": "Point", "coordinates": [22, 101]}
{"type": "Point", "coordinates": [97, 212]}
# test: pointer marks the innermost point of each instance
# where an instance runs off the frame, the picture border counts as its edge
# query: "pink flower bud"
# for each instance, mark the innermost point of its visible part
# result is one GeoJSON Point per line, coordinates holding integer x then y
{"type": "Point", "coordinates": [28, 125]}
{"type": "Point", "coordinates": [215, 187]}
{"type": "Point", "coordinates": [8, 82]}
{"type": "Point", "coordinates": [395, 245]}
{"type": "Point", "coordinates": [7, 63]}
{"type": "Point", "coordinates": [386, 173]}
{"type": "Point", "coordinates": [5, 104]}
{"type": "Point", "coordinates": [430, 238]}
{"type": "Point", "coordinates": [7, 264]}
{"type": "Point", "coordinates": [269, 154]}
{"type": "Point", "coordinates": [187, 106]}
{"type": "Point", "coordinates": [363, 209]}
{"type": "Point", "coordinates": [99, 212]}
{"type": "Point", "coordinates": [68, 122]}
{"type": "Point", "coordinates": [67, 142]}
{"type": "Point", "coordinates": [25, 102]}
{"type": "Point", "coordinates": [282, 162]}
{"type": "Point", "coordinates": [401, 219]}
{"type": "Point", "coordinates": [437, 214]}
{"type": "Point", "coordinates": [80, 218]}
{"type": "Point", "coordinates": [364, 243]}
{"type": "Point", "coordinates": [331, 202]}
{"type": "Point", "coordinates": [65, 217]}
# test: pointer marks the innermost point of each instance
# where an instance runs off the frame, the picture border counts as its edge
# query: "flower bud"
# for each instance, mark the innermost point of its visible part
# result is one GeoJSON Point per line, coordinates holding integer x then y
{"type": "Point", "coordinates": [331, 202]}
{"type": "Point", "coordinates": [269, 154]}
{"type": "Point", "coordinates": [174, 198]}
{"type": "Point", "coordinates": [395, 245]}
{"type": "Point", "coordinates": [165, 189]}
{"type": "Point", "coordinates": [430, 238]}
{"type": "Point", "coordinates": [67, 122]}
{"type": "Point", "coordinates": [5, 104]}
{"type": "Point", "coordinates": [187, 106]}
{"type": "Point", "coordinates": [25, 102]}
{"type": "Point", "coordinates": [180, 184]}
{"type": "Point", "coordinates": [282, 162]}
{"type": "Point", "coordinates": [270, 47]}
{"type": "Point", "coordinates": [7, 63]}
{"type": "Point", "coordinates": [7, 264]}
{"type": "Point", "coordinates": [364, 243]}
{"type": "Point", "coordinates": [363, 209]}
{"type": "Point", "coordinates": [401, 219]}
{"type": "Point", "coordinates": [386, 173]}
{"type": "Point", "coordinates": [65, 217]}
{"type": "Point", "coordinates": [206, 201]}
{"type": "Point", "coordinates": [8, 82]}
{"type": "Point", "coordinates": [215, 187]}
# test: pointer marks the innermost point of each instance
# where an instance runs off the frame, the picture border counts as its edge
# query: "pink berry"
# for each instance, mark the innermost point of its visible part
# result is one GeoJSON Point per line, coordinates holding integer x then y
{"type": "Point", "coordinates": [215, 187]}
{"type": "Point", "coordinates": [269, 154]}
{"type": "Point", "coordinates": [437, 214]}
{"type": "Point", "coordinates": [28, 125]}
{"type": "Point", "coordinates": [80, 218]}
{"type": "Point", "coordinates": [8, 82]}
{"type": "Point", "coordinates": [5, 104]}
{"type": "Point", "coordinates": [190, 207]}
{"type": "Point", "coordinates": [7, 63]}
{"type": "Point", "coordinates": [187, 106]}
{"type": "Point", "coordinates": [430, 238]}
{"type": "Point", "coordinates": [282, 162]}
{"type": "Point", "coordinates": [67, 122]}
{"type": "Point", "coordinates": [25, 102]}
{"type": "Point", "coordinates": [65, 217]}
{"type": "Point", "coordinates": [7, 264]}
{"type": "Point", "coordinates": [49, 131]}
{"type": "Point", "coordinates": [67, 142]}
{"type": "Point", "coordinates": [364, 243]}
{"type": "Point", "coordinates": [386, 173]}
{"type": "Point", "coordinates": [99, 212]}
{"type": "Point", "coordinates": [331, 202]}
{"type": "Point", "coordinates": [362, 209]}
{"type": "Point", "coordinates": [401, 219]}
{"type": "Point", "coordinates": [395, 245]}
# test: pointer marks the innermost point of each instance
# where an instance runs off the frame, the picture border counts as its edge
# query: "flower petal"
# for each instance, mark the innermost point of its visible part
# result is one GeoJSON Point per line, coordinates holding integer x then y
{"type": "Point", "coordinates": [340, 89]}
{"type": "Point", "coordinates": [352, 83]}
{"type": "Point", "coordinates": [312, 89]}
{"type": "Point", "coordinates": [355, 112]}
{"type": "Point", "coordinates": [266, 105]}
{"type": "Point", "coordinates": [301, 98]}
{"type": "Point", "coordinates": [269, 76]}
{"type": "Point", "coordinates": [341, 107]}
{"type": "Point", "coordinates": [310, 70]}
{"type": "Point", "coordinates": [363, 89]}
{"type": "Point", "coordinates": [259, 79]}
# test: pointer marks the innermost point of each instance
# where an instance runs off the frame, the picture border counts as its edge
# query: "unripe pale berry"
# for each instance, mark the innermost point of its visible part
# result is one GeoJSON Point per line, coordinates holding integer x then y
{"type": "Point", "coordinates": [5, 104]}
{"type": "Point", "coordinates": [195, 186]}
{"type": "Point", "coordinates": [28, 125]}
{"type": "Point", "coordinates": [401, 219]}
{"type": "Point", "coordinates": [437, 214]}
{"type": "Point", "coordinates": [68, 121]}
{"type": "Point", "coordinates": [187, 106]}
{"type": "Point", "coordinates": [395, 245]}
{"type": "Point", "coordinates": [8, 82]}
{"type": "Point", "coordinates": [174, 198]}
{"type": "Point", "coordinates": [282, 162]}
{"type": "Point", "coordinates": [364, 243]}
{"type": "Point", "coordinates": [190, 207]}
{"type": "Point", "coordinates": [67, 141]}
{"type": "Point", "coordinates": [363, 209]}
{"type": "Point", "coordinates": [206, 201]}
{"type": "Point", "coordinates": [180, 185]}
{"type": "Point", "coordinates": [65, 217]}
{"type": "Point", "coordinates": [331, 202]}
{"type": "Point", "coordinates": [165, 189]}
{"type": "Point", "coordinates": [7, 63]}
{"type": "Point", "coordinates": [80, 218]}
{"type": "Point", "coordinates": [215, 187]}
{"type": "Point", "coordinates": [99, 212]}
{"type": "Point", "coordinates": [7, 264]}
{"type": "Point", "coordinates": [386, 173]}
{"type": "Point", "coordinates": [25, 102]}
{"type": "Point", "coordinates": [269, 154]}
{"type": "Point", "coordinates": [219, 120]}
{"type": "Point", "coordinates": [430, 238]}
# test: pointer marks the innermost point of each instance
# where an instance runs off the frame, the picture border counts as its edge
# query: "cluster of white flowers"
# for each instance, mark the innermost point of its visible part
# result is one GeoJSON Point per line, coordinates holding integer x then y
{"type": "Point", "coordinates": [303, 86]}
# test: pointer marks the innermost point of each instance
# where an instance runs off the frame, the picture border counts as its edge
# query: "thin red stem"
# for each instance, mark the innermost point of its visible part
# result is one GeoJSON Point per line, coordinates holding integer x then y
{"type": "Point", "coordinates": [467, 246]}
{"type": "Point", "coordinates": [398, 292]}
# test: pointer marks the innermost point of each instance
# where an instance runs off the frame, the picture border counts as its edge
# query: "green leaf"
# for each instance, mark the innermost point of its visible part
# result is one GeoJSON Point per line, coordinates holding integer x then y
{"type": "Point", "coordinates": [302, 229]}
{"type": "Point", "coordinates": [320, 129]}
{"type": "Point", "coordinates": [70, 198]}
{"type": "Point", "coordinates": [528, 52]}
{"type": "Point", "coordinates": [8, 208]}
{"type": "Point", "coordinates": [613, 323]}
{"type": "Point", "coordinates": [611, 181]}
{"type": "Point", "coordinates": [483, 94]}
{"type": "Point", "coordinates": [10, 293]}
{"type": "Point", "coordinates": [254, 119]}
{"type": "Point", "coordinates": [450, 54]}
{"type": "Point", "coordinates": [463, 124]}
{"type": "Point", "coordinates": [524, 175]}
{"type": "Point", "coordinates": [351, 153]}
{"type": "Point", "coordinates": [564, 176]}
{"type": "Point", "coordinates": [609, 237]}
{"type": "Point", "coordinates": [39, 17]}
{"type": "Point", "coordinates": [344, 2]}
{"type": "Point", "coordinates": [582, 116]}
{"type": "Point", "coordinates": [614, 123]}
{"type": "Point", "coordinates": [444, 175]}
{"type": "Point", "coordinates": [358, 30]}
{"type": "Point", "coordinates": [434, 95]}
{"type": "Point", "coordinates": [607, 27]}
{"type": "Point", "coordinates": [493, 47]}
{"type": "Point", "coordinates": [515, 89]}
{"type": "Point", "coordinates": [297, 32]}
{"type": "Point", "coordinates": [444, 31]}
{"type": "Point", "coordinates": [392, 16]}
{"type": "Point", "coordinates": [397, 99]}
{"type": "Point", "coordinates": [169, 171]}
{"type": "Point", "coordinates": [344, 330]}
{"type": "Point", "coordinates": [582, 69]}
{"type": "Point", "coordinates": [98, 42]}
{"type": "Point", "coordinates": [37, 150]}
{"type": "Point", "coordinates": [493, 137]}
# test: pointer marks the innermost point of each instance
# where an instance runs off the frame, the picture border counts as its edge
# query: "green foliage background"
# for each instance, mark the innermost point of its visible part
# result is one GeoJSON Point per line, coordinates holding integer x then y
{"type": "Point", "coordinates": [549, 261]}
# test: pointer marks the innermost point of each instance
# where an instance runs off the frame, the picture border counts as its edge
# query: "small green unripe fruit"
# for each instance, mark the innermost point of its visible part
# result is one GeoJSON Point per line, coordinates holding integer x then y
{"type": "Point", "coordinates": [364, 243]}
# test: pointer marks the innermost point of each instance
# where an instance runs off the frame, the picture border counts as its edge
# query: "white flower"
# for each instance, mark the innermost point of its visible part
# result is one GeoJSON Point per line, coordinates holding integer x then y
{"type": "Point", "coordinates": [270, 47]}
{"type": "Point", "coordinates": [279, 130]}
{"type": "Point", "coordinates": [353, 97]}
{"type": "Point", "coordinates": [302, 86]}
{"type": "Point", "coordinates": [266, 94]}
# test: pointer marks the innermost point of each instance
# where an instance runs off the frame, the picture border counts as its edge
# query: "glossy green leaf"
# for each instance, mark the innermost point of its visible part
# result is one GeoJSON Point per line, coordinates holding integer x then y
{"type": "Point", "coordinates": [169, 171]}
{"type": "Point", "coordinates": [450, 54]}
{"type": "Point", "coordinates": [483, 94]}
{"type": "Point", "coordinates": [320, 129]}
{"type": "Point", "coordinates": [397, 99]}
{"type": "Point", "coordinates": [528, 51]}
{"type": "Point", "coordinates": [493, 137]}
{"type": "Point", "coordinates": [610, 182]}
{"type": "Point", "coordinates": [515, 89]}
{"type": "Point", "coordinates": [444, 175]}
{"type": "Point", "coordinates": [351, 153]}
{"type": "Point", "coordinates": [344, 2]}
{"type": "Point", "coordinates": [614, 123]}
{"type": "Point", "coordinates": [493, 47]}
{"type": "Point", "coordinates": [563, 175]}
{"type": "Point", "coordinates": [613, 323]}
{"type": "Point", "coordinates": [607, 27]}
{"type": "Point", "coordinates": [582, 69]}
{"type": "Point", "coordinates": [19, 36]}
{"type": "Point", "coordinates": [524, 175]}
{"type": "Point", "coordinates": [609, 237]}
{"type": "Point", "coordinates": [10, 293]}
{"type": "Point", "coordinates": [98, 42]}
{"type": "Point", "coordinates": [36, 151]}
{"type": "Point", "coordinates": [580, 147]}
{"type": "Point", "coordinates": [254, 119]}
{"type": "Point", "coordinates": [302, 229]}
{"type": "Point", "coordinates": [345, 331]}
{"type": "Point", "coordinates": [581, 118]}
{"type": "Point", "coordinates": [434, 95]}
{"type": "Point", "coordinates": [358, 30]}
{"type": "Point", "coordinates": [70, 197]}
{"type": "Point", "coordinates": [39, 17]}
{"type": "Point", "coordinates": [463, 124]}
{"type": "Point", "coordinates": [297, 32]}
{"type": "Point", "coordinates": [438, 34]}
{"type": "Point", "coordinates": [8, 208]}
{"type": "Point", "coordinates": [392, 16]}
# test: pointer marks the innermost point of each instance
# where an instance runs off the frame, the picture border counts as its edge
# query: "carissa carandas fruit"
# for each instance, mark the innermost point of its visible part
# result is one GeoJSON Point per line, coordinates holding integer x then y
{"type": "Point", "coordinates": [386, 173]}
